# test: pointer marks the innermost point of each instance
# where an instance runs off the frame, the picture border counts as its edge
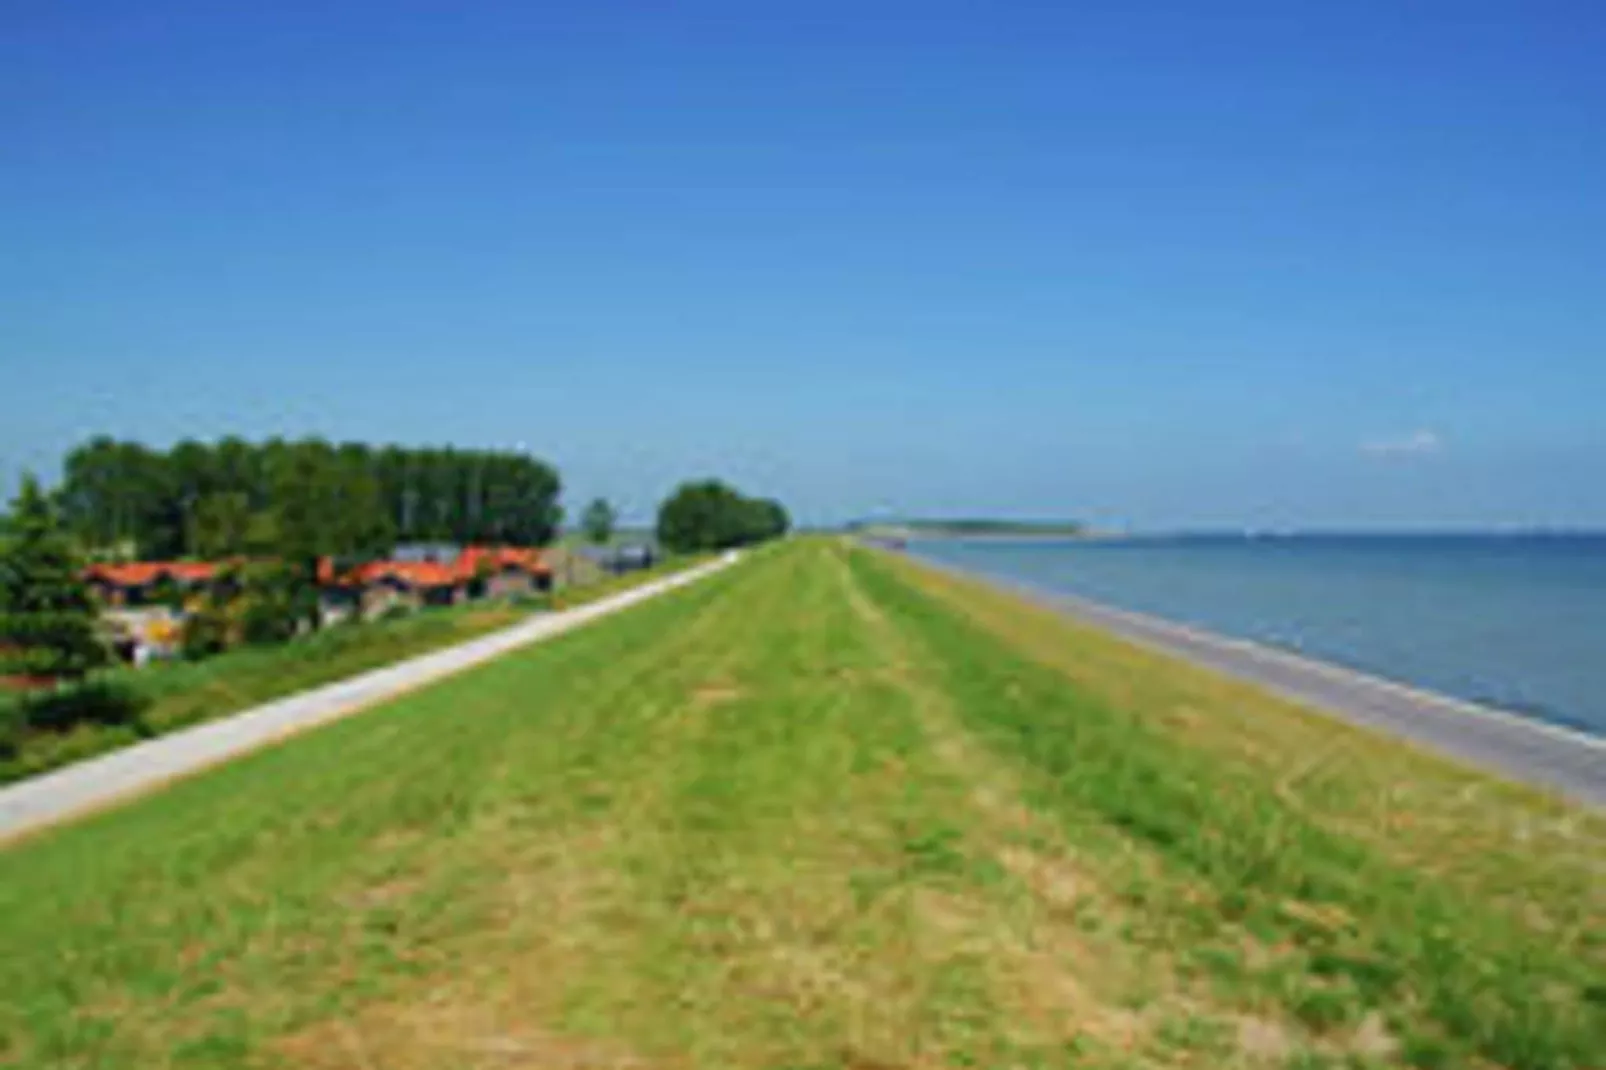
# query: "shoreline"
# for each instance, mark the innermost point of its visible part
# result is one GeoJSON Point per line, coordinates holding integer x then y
{"type": "Point", "coordinates": [1539, 753]}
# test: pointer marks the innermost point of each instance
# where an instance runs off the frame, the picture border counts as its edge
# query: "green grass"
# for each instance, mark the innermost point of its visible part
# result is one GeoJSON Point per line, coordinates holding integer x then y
{"type": "Point", "coordinates": [1484, 938]}
{"type": "Point", "coordinates": [822, 810]}
{"type": "Point", "coordinates": [179, 694]}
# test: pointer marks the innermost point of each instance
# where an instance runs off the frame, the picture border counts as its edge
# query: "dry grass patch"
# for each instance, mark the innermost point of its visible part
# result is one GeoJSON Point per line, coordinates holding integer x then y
{"type": "Point", "coordinates": [446, 1031]}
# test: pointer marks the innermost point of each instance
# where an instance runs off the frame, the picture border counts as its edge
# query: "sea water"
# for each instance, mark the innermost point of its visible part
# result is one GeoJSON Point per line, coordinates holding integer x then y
{"type": "Point", "coordinates": [1516, 622]}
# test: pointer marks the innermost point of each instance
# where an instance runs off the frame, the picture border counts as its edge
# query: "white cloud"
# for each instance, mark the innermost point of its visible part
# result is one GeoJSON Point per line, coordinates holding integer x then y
{"type": "Point", "coordinates": [1415, 444]}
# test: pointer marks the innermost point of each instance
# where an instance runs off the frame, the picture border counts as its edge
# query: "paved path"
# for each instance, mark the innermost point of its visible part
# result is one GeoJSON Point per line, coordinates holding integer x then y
{"type": "Point", "coordinates": [1567, 762]}
{"type": "Point", "coordinates": [92, 784]}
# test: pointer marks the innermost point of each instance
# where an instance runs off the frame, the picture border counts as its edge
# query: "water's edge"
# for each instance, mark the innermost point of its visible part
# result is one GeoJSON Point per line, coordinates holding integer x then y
{"type": "Point", "coordinates": [1510, 743]}
{"type": "Point", "coordinates": [1509, 624]}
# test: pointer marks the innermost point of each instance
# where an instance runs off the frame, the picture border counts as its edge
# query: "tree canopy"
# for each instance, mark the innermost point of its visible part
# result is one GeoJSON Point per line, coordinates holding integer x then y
{"type": "Point", "coordinates": [598, 521]}
{"type": "Point", "coordinates": [711, 515]}
{"type": "Point", "coordinates": [47, 620]}
{"type": "Point", "coordinates": [236, 497]}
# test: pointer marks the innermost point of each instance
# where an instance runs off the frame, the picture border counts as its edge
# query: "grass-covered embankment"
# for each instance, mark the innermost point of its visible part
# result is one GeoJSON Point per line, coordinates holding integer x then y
{"type": "Point", "coordinates": [821, 810]}
{"type": "Point", "coordinates": [165, 697]}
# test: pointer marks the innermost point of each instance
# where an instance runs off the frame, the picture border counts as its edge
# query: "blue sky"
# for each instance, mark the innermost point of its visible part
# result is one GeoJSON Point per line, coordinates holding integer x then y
{"type": "Point", "coordinates": [1164, 265]}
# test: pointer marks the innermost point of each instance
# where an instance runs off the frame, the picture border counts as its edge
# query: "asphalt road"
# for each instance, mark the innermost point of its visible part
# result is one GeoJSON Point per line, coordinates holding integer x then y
{"type": "Point", "coordinates": [93, 784]}
{"type": "Point", "coordinates": [1569, 763]}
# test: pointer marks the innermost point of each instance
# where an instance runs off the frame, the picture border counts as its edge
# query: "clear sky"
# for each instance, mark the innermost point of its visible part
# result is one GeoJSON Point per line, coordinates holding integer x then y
{"type": "Point", "coordinates": [1163, 264]}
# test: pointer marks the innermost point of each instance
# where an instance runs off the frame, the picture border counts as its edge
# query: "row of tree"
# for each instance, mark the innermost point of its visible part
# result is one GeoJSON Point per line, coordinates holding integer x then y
{"type": "Point", "coordinates": [711, 515]}
{"type": "Point", "coordinates": [285, 505]}
{"type": "Point", "coordinates": [212, 500]}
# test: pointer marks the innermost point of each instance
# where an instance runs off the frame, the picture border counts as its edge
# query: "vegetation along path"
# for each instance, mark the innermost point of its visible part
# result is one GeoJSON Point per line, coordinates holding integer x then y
{"type": "Point", "coordinates": [826, 809]}
{"type": "Point", "coordinates": [96, 782]}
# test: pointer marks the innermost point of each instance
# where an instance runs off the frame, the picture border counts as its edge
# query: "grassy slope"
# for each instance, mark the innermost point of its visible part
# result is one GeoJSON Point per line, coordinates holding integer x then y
{"type": "Point", "coordinates": [822, 810]}
{"type": "Point", "coordinates": [181, 694]}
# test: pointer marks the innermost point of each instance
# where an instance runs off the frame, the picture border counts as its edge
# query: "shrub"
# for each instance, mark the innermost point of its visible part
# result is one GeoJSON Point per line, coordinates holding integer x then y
{"type": "Point", "coordinates": [47, 620]}
{"type": "Point", "coordinates": [12, 722]}
{"type": "Point", "coordinates": [267, 610]}
{"type": "Point", "coordinates": [102, 702]}
{"type": "Point", "coordinates": [206, 632]}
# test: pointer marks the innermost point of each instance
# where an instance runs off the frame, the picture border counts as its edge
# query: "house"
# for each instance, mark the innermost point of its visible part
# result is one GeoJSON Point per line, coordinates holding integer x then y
{"type": "Point", "coordinates": [134, 584]}
{"type": "Point", "coordinates": [135, 594]}
{"type": "Point", "coordinates": [141, 603]}
{"type": "Point", "coordinates": [473, 572]}
{"type": "Point", "coordinates": [500, 572]}
{"type": "Point", "coordinates": [373, 587]}
{"type": "Point", "coordinates": [621, 558]}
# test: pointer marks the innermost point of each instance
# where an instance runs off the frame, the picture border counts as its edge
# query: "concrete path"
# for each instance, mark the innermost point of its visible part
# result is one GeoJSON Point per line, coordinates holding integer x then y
{"type": "Point", "coordinates": [1567, 762]}
{"type": "Point", "coordinates": [92, 784]}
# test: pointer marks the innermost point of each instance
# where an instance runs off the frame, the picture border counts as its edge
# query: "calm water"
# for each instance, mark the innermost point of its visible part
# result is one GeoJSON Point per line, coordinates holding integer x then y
{"type": "Point", "coordinates": [1517, 622]}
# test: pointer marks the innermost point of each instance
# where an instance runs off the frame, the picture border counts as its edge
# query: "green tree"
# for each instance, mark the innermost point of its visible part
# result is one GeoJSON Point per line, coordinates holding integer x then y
{"type": "Point", "coordinates": [115, 498]}
{"type": "Point", "coordinates": [324, 505]}
{"type": "Point", "coordinates": [393, 469]}
{"type": "Point", "coordinates": [122, 498]}
{"type": "Point", "coordinates": [699, 516]}
{"type": "Point", "coordinates": [223, 525]}
{"type": "Point", "coordinates": [769, 519]}
{"type": "Point", "coordinates": [47, 619]}
{"type": "Point", "coordinates": [711, 515]}
{"type": "Point", "coordinates": [187, 480]}
{"type": "Point", "coordinates": [265, 610]}
{"type": "Point", "coordinates": [598, 521]}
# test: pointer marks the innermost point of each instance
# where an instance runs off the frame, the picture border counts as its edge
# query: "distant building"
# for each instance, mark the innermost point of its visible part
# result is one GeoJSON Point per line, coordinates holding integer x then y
{"type": "Point", "coordinates": [625, 557]}
{"type": "Point", "coordinates": [472, 572]}
{"type": "Point", "coordinates": [138, 596]}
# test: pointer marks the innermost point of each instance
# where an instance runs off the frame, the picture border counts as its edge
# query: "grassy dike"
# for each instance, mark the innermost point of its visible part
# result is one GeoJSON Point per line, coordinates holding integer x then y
{"type": "Point", "coordinates": [825, 809]}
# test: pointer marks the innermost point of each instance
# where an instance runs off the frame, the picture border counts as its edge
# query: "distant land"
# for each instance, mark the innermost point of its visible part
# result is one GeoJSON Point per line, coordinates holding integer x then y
{"type": "Point", "coordinates": [968, 527]}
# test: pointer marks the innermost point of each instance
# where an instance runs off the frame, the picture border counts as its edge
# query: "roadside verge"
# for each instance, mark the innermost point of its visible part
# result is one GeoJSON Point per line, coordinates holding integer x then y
{"type": "Point", "coordinates": [90, 785]}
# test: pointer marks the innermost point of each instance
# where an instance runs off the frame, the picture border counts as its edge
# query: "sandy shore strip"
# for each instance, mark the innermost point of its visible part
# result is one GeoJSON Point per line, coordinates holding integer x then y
{"type": "Point", "coordinates": [1547, 756]}
{"type": "Point", "coordinates": [32, 804]}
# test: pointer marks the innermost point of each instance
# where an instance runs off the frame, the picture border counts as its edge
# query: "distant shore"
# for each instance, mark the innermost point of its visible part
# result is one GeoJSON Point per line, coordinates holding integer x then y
{"type": "Point", "coordinates": [991, 530]}
{"type": "Point", "coordinates": [1007, 536]}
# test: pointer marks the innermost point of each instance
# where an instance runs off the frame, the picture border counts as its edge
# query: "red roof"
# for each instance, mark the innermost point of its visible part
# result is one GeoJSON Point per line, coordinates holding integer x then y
{"type": "Point", "coordinates": [145, 573]}
{"type": "Point", "coordinates": [413, 573]}
{"type": "Point", "coordinates": [468, 565]}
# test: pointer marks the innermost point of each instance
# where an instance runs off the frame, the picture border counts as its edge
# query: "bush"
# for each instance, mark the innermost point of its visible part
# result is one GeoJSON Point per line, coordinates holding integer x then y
{"type": "Point", "coordinates": [102, 702]}
{"type": "Point", "coordinates": [12, 722]}
{"type": "Point", "coordinates": [206, 632]}
{"type": "Point", "coordinates": [268, 608]}
{"type": "Point", "coordinates": [263, 622]}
